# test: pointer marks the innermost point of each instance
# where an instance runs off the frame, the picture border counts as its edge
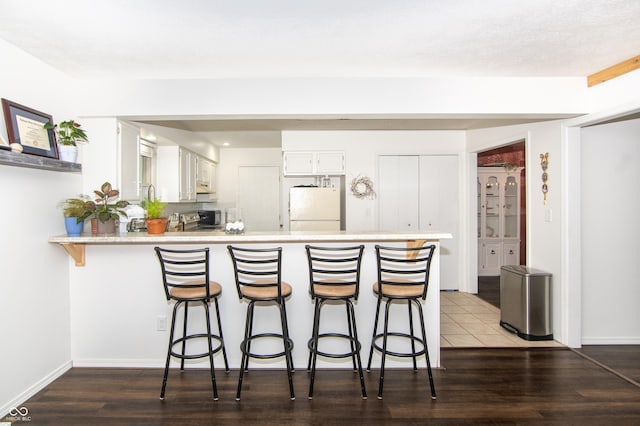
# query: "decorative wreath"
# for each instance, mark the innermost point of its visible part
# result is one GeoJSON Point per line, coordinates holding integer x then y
{"type": "Point", "coordinates": [362, 187]}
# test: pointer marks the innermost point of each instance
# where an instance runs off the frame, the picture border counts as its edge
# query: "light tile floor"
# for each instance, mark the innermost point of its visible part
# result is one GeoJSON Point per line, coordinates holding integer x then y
{"type": "Point", "coordinates": [468, 321]}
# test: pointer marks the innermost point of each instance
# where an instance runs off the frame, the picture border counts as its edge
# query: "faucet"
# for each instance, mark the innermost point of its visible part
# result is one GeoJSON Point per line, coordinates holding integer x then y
{"type": "Point", "coordinates": [149, 191]}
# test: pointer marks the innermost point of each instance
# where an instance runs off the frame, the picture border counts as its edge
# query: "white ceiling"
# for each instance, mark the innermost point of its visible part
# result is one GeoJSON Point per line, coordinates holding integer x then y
{"type": "Point", "coordinates": [163, 39]}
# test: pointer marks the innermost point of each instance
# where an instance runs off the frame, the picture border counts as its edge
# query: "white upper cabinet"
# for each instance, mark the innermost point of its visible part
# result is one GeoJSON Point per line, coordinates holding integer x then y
{"type": "Point", "coordinates": [307, 163]}
{"type": "Point", "coordinates": [206, 179]}
{"type": "Point", "coordinates": [128, 162]}
{"type": "Point", "coordinates": [176, 169]}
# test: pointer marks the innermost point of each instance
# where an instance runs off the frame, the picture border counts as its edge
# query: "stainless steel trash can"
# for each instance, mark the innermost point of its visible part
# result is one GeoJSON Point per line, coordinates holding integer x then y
{"type": "Point", "coordinates": [525, 302]}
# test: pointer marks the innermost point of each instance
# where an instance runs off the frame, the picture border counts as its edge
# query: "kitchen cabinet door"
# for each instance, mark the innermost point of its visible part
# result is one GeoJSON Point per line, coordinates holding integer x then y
{"type": "Point", "coordinates": [176, 174]}
{"type": "Point", "coordinates": [329, 163]}
{"type": "Point", "coordinates": [129, 162]}
{"type": "Point", "coordinates": [206, 179]}
{"type": "Point", "coordinates": [187, 175]}
{"type": "Point", "coordinates": [307, 163]}
{"type": "Point", "coordinates": [298, 163]}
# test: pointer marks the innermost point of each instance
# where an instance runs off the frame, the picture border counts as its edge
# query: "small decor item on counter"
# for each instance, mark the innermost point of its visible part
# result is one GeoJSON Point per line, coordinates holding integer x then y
{"type": "Point", "coordinates": [105, 212]}
{"type": "Point", "coordinates": [16, 147]}
{"type": "Point", "coordinates": [75, 211]}
{"type": "Point", "coordinates": [69, 134]}
{"type": "Point", "coordinates": [156, 223]}
{"type": "Point", "coordinates": [236, 227]}
{"type": "Point", "coordinates": [233, 220]}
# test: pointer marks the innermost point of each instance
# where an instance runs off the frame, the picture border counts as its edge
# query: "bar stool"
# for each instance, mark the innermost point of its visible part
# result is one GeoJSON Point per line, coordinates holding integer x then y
{"type": "Point", "coordinates": [334, 275]}
{"type": "Point", "coordinates": [185, 276]}
{"type": "Point", "coordinates": [403, 275]}
{"type": "Point", "coordinates": [258, 279]}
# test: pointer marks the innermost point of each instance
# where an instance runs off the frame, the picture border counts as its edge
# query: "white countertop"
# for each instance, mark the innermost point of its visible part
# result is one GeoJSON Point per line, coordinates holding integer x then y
{"type": "Point", "coordinates": [250, 237]}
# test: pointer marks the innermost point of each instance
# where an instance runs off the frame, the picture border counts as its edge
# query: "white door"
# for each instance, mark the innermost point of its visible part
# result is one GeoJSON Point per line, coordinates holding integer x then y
{"type": "Point", "coordinates": [259, 197]}
{"type": "Point", "coordinates": [421, 193]}
{"type": "Point", "coordinates": [439, 211]}
{"type": "Point", "coordinates": [398, 193]}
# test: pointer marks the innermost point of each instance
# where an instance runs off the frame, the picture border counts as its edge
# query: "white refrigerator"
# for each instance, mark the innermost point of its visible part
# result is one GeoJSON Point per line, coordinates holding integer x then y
{"type": "Point", "coordinates": [314, 209]}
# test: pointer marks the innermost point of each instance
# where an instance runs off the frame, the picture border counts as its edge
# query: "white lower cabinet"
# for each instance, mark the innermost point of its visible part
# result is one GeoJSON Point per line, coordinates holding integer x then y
{"type": "Point", "coordinates": [494, 254]}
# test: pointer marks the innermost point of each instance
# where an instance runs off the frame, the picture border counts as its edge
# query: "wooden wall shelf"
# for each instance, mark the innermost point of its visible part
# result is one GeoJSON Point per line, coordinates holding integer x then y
{"type": "Point", "coordinates": [9, 158]}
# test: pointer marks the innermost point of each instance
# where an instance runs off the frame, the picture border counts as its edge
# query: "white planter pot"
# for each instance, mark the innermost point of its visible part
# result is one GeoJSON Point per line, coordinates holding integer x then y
{"type": "Point", "coordinates": [68, 153]}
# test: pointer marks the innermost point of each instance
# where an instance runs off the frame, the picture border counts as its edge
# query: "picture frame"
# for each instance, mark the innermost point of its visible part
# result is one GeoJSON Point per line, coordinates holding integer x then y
{"type": "Point", "coordinates": [26, 126]}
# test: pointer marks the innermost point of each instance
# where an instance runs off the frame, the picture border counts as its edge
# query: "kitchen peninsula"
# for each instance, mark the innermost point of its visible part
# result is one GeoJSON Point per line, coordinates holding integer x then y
{"type": "Point", "coordinates": [119, 313]}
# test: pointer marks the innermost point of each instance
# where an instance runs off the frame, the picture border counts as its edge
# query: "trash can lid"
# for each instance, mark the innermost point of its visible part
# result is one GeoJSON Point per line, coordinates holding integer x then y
{"type": "Point", "coordinates": [524, 270]}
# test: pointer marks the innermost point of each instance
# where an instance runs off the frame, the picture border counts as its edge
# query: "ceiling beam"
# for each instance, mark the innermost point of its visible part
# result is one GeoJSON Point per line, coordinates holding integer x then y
{"type": "Point", "coordinates": [614, 71]}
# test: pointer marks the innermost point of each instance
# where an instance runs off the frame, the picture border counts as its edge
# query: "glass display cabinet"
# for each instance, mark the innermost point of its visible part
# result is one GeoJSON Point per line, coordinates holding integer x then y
{"type": "Point", "coordinates": [498, 219]}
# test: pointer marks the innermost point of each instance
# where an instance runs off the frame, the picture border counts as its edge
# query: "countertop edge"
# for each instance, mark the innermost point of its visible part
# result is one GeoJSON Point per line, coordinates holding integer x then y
{"type": "Point", "coordinates": [250, 237]}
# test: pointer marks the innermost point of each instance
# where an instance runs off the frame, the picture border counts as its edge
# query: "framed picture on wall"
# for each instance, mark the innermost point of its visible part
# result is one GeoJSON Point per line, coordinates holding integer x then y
{"type": "Point", "coordinates": [26, 127]}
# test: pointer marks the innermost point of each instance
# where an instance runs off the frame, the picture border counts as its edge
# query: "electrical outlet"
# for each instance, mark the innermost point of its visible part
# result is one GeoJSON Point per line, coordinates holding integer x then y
{"type": "Point", "coordinates": [161, 323]}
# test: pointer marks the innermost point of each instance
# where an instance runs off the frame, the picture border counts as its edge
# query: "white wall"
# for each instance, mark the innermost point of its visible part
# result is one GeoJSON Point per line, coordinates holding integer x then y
{"type": "Point", "coordinates": [610, 231]}
{"type": "Point", "coordinates": [231, 159]}
{"type": "Point", "coordinates": [34, 275]}
{"type": "Point", "coordinates": [362, 149]}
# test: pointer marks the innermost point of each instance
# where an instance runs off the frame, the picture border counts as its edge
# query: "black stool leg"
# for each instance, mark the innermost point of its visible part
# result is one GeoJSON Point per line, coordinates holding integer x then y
{"type": "Point", "coordinates": [287, 348]}
{"type": "Point", "coordinates": [351, 317]}
{"type": "Point", "coordinates": [426, 351]}
{"type": "Point", "coordinates": [224, 350]}
{"type": "Point", "coordinates": [313, 353]}
{"type": "Point", "coordinates": [213, 371]}
{"type": "Point", "coordinates": [384, 346]}
{"type": "Point", "coordinates": [184, 334]}
{"type": "Point", "coordinates": [244, 346]}
{"type": "Point", "coordinates": [373, 337]}
{"type": "Point", "coordinates": [413, 343]}
{"type": "Point", "coordinates": [286, 326]}
{"type": "Point", "coordinates": [349, 307]}
{"type": "Point", "coordinates": [314, 341]}
{"type": "Point", "coordinates": [166, 366]}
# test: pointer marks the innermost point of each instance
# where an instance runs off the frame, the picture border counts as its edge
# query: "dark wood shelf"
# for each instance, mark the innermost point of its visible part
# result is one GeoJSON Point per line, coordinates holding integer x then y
{"type": "Point", "coordinates": [9, 158]}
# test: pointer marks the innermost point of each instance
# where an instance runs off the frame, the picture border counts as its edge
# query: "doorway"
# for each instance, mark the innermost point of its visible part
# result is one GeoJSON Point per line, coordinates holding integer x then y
{"type": "Point", "coordinates": [510, 158]}
{"type": "Point", "coordinates": [259, 197]}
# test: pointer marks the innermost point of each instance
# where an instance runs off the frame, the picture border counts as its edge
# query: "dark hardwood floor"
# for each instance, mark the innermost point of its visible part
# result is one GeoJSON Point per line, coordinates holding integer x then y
{"type": "Point", "coordinates": [475, 386]}
{"type": "Point", "coordinates": [489, 290]}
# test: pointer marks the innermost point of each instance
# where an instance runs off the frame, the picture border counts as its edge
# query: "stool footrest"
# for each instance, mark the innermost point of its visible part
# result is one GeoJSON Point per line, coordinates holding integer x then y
{"type": "Point", "coordinates": [243, 346]}
{"type": "Point", "coordinates": [357, 346]}
{"type": "Point", "coordinates": [215, 347]}
{"type": "Point", "coordinates": [401, 354]}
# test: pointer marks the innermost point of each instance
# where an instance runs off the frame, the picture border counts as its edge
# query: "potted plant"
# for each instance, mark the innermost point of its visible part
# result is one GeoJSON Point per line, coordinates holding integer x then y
{"type": "Point", "coordinates": [75, 211]}
{"type": "Point", "coordinates": [68, 135]}
{"type": "Point", "coordinates": [106, 210]}
{"type": "Point", "coordinates": [156, 223]}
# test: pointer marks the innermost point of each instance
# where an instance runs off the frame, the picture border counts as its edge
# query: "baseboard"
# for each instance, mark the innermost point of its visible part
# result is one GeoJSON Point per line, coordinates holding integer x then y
{"type": "Point", "coordinates": [35, 388]}
{"type": "Point", "coordinates": [611, 340]}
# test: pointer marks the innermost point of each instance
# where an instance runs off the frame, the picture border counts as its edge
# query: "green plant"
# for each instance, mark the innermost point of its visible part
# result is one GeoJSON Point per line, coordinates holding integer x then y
{"type": "Point", "coordinates": [102, 209]}
{"type": "Point", "coordinates": [68, 132]}
{"type": "Point", "coordinates": [154, 207]}
{"type": "Point", "coordinates": [80, 208]}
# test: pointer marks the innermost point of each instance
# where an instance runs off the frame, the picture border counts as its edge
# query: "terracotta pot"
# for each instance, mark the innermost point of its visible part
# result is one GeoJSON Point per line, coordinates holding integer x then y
{"type": "Point", "coordinates": [156, 226]}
